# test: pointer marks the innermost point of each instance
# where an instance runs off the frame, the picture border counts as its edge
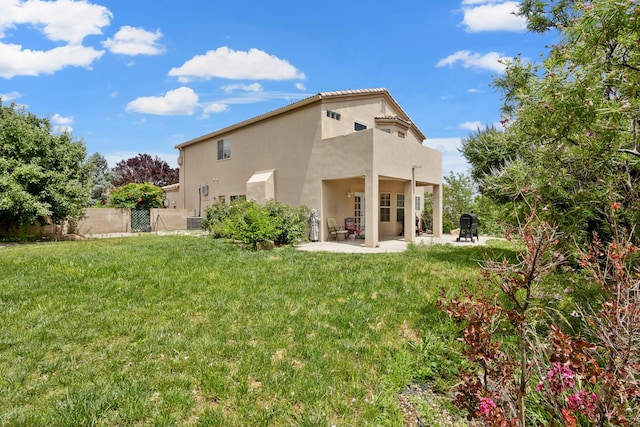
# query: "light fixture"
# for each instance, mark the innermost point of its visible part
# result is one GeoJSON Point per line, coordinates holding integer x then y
{"type": "Point", "coordinates": [349, 194]}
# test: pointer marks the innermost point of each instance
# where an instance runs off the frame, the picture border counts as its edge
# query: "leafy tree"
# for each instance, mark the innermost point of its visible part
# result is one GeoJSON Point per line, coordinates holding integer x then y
{"type": "Point", "coordinates": [144, 168]}
{"type": "Point", "coordinates": [43, 175]}
{"type": "Point", "coordinates": [570, 140]}
{"type": "Point", "coordinates": [137, 196]}
{"type": "Point", "coordinates": [100, 179]}
{"type": "Point", "coordinates": [457, 199]}
{"type": "Point", "coordinates": [543, 15]}
{"type": "Point", "coordinates": [493, 218]}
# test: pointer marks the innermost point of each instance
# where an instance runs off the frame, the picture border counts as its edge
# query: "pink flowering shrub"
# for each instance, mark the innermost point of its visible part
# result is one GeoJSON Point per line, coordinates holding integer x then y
{"type": "Point", "coordinates": [572, 380]}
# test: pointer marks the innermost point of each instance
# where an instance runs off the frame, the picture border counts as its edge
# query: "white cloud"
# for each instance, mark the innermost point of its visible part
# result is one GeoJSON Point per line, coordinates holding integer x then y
{"type": "Point", "coordinates": [15, 61]}
{"type": "Point", "coordinates": [253, 87]}
{"type": "Point", "coordinates": [213, 107]}
{"type": "Point", "coordinates": [62, 124]}
{"type": "Point", "coordinates": [184, 101]}
{"type": "Point", "coordinates": [179, 102]}
{"type": "Point", "coordinates": [474, 90]}
{"type": "Point", "coordinates": [488, 61]}
{"type": "Point", "coordinates": [493, 16]}
{"type": "Point", "coordinates": [452, 159]}
{"type": "Point", "coordinates": [134, 41]}
{"type": "Point", "coordinates": [60, 120]}
{"type": "Point", "coordinates": [62, 20]}
{"type": "Point", "coordinates": [472, 126]}
{"type": "Point", "coordinates": [231, 64]}
{"type": "Point", "coordinates": [444, 144]}
{"type": "Point", "coordinates": [300, 86]}
{"type": "Point", "coordinates": [9, 97]}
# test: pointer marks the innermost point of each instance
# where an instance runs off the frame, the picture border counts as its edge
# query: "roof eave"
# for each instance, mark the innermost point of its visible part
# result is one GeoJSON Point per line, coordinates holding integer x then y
{"type": "Point", "coordinates": [307, 101]}
{"type": "Point", "coordinates": [256, 119]}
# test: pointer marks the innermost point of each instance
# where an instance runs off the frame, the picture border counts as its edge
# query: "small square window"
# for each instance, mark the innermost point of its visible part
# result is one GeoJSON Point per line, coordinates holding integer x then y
{"type": "Point", "coordinates": [333, 115]}
{"type": "Point", "coordinates": [401, 134]}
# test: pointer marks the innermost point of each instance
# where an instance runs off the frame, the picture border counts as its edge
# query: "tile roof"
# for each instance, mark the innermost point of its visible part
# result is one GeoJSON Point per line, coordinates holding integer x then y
{"type": "Point", "coordinates": [305, 101]}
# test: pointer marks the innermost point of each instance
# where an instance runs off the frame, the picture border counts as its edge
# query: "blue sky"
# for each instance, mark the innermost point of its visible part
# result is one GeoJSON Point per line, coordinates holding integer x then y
{"type": "Point", "coordinates": [141, 76]}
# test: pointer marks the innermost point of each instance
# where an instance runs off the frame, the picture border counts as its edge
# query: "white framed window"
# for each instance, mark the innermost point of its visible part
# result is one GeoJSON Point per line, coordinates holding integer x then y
{"type": "Point", "coordinates": [385, 207]}
{"type": "Point", "coordinates": [224, 149]}
{"type": "Point", "coordinates": [357, 126]}
{"type": "Point", "coordinates": [417, 203]}
{"type": "Point", "coordinates": [387, 130]}
{"type": "Point", "coordinates": [400, 207]}
{"type": "Point", "coordinates": [238, 197]}
{"type": "Point", "coordinates": [333, 115]}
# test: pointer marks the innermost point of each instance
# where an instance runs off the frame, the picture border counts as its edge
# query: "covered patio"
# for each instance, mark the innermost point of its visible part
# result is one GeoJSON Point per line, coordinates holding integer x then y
{"type": "Point", "coordinates": [379, 180]}
{"type": "Point", "coordinates": [384, 209]}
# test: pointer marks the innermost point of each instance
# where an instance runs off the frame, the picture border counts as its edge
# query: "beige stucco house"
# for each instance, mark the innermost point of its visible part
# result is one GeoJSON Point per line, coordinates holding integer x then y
{"type": "Point", "coordinates": [352, 153]}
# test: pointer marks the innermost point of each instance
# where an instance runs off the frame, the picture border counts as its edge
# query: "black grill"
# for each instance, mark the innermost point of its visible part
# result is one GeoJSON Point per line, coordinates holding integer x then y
{"type": "Point", "coordinates": [468, 227]}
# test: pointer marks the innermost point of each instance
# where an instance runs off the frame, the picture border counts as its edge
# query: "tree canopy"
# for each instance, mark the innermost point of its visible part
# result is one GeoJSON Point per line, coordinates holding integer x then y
{"type": "Point", "coordinates": [137, 196]}
{"type": "Point", "coordinates": [570, 144]}
{"type": "Point", "coordinates": [457, 199]}
{"type": "Point", "coordinates": [43, 175]}
{"type": "Point", "coordinates": [144, 168]}
{"type": "Point", "coordinates": [100, 179]}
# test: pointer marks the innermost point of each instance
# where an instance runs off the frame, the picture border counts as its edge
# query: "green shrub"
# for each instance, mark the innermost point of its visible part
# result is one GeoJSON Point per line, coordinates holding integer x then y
{"type": "Point", "coordinates": [255, 225]}
{"type": "Point", "coordinates": [293, 224]}
{"type": "Point", "coordinates": [137, 196]}
{"type": "Point", "coordinates": [217, 219]}
{"type": "Point", "coordinates": [252, 223]}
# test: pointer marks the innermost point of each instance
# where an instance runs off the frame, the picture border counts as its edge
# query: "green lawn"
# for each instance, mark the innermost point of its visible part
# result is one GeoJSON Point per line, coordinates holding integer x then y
{"type": "Point", "coordinates": [187, 330]}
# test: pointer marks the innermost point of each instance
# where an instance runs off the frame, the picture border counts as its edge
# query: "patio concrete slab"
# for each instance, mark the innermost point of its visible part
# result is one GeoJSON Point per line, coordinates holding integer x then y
{"type": "Point", "coordinates": [386, 245]}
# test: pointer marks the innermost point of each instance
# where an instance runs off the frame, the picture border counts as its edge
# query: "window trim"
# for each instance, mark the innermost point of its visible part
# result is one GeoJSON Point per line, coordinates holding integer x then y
{"type": "Point", "coordinates": [400, 206]}
{"type": "Point", "coordinates": [224, 150]}
{"type": "Point", "coordinates": [384, 206]}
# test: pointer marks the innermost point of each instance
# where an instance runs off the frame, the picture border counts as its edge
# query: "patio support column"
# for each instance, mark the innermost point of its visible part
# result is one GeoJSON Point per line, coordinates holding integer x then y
{"type": "Point", "coordinates": [322, 231]}
{"type": "Point", "coordinates": [371, 210]}
{"type": "Point", "coordinates": [437, 211]}
{"type": "Point", "coordinates": [409, 212]}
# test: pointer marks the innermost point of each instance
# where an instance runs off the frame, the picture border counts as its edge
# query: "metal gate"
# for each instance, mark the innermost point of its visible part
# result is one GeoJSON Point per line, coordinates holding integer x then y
{"type": "Point", "coordinates": [140, 220]}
